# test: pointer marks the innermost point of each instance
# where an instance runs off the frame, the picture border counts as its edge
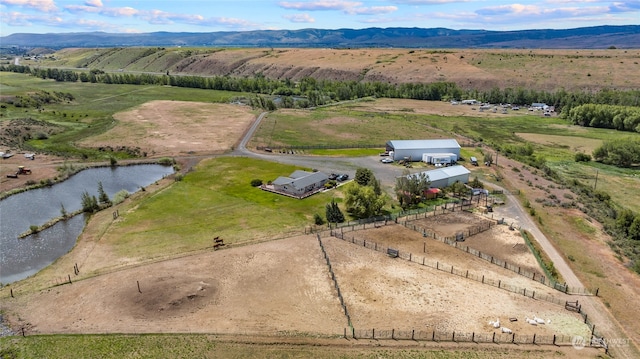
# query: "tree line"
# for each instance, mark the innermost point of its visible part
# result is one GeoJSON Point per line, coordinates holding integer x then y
{"type": "Point", "coordinates": [621, 118]}
{"type": "Point", "coordinates": [310, 92]}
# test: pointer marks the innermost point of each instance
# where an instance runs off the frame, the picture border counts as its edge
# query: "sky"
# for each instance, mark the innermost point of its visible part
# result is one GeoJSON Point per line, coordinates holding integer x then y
{"type": "Point", "coordinates": [138, 16]}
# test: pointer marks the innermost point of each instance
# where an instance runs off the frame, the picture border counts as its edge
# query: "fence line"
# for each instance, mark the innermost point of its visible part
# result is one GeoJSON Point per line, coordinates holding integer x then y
{"type": "Point", "coordinates": [473, 337]}
{"type": "Point", "coordinates": [335, 281]}
{"type": "Point", "coordinates": [574, 306]}
{"type": "Point", "coordinates": [450, 269]}
{"type": "Point", "coordinates": [454, 241]}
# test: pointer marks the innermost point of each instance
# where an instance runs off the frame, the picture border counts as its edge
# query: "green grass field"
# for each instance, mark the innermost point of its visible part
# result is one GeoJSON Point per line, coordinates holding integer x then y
{"type": "Point", "coordinates": [92, 110]}
{"type": "Point", "coordinates": [188, 346]}
{"type": "Point", "coordinates": [215, 200]}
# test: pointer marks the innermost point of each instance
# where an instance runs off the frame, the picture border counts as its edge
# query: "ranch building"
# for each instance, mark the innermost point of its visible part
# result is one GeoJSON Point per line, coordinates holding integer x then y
{"type": "Point", "coordinates": [446, 176]}
{"type": "Point", "coordinates": [414, 150]}
{"type": "Point", "coordinates": [300, 183]}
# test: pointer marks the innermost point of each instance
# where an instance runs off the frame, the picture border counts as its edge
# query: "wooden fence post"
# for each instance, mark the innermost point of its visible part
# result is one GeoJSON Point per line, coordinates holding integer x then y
{"type": "Point", "coordinates": [413, 333]}
{"type": "Point", "coordinates": [554, 339]}
{"type": "Point", "coordinates": [139, 291]}
{"type": "Point", "coordinates": [69, 278]}
{"type": "Point", "coordinates": [534, 338]}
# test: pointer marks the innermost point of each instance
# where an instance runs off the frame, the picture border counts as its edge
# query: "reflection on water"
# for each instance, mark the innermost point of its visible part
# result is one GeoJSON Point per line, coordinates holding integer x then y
{"type": "Point", "coordinates": [20, 258]}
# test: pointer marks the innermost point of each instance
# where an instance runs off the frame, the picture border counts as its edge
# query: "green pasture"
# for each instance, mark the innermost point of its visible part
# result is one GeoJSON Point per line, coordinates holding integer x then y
{"type": "Point", "coordinates": [214, 200]}
{"type": "Point", "coordinates": [188, 346]}
{"type": "Point", "coordinates": [92, 109]}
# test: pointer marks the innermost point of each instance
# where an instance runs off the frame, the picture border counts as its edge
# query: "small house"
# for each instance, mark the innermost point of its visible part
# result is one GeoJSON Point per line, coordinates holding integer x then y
{"type": "Point", "coordinates": [300, 183]}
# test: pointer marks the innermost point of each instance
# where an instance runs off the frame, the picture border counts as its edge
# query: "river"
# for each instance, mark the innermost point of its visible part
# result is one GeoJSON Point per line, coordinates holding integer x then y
{"type": "Point", "coordinates": [23, 257]}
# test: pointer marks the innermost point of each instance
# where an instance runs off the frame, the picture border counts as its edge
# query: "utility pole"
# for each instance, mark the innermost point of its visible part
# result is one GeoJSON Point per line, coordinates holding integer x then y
{"type": "Point", "coordinates": [596, 183]}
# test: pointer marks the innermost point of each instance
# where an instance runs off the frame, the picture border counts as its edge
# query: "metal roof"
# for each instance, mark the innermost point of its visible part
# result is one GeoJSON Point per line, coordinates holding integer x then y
{"type": "Point", "coordinates": [418, 144]}
{"type": "Point", "coordinates": [301, 179]}
{"type": "Point", "coordinates": [445, 172]}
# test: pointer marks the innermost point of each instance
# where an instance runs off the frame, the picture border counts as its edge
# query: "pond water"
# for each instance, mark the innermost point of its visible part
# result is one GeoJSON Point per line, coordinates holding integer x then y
{"type": "Point", "coordinates": [23, 257]}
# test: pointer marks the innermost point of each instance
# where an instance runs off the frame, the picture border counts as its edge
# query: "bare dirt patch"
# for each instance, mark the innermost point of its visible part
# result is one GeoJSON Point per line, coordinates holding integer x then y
{"type": "Point", "coordinates": [279, 286]}
{"type": "Point", "coordinates": [170, 128]}
{"type": "Point", "coordinates": [384, 293]}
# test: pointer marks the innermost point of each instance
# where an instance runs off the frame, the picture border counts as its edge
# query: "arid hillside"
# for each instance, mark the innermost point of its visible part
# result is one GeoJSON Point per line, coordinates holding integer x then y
{"type": "Point", "coordinates": [588, 70]}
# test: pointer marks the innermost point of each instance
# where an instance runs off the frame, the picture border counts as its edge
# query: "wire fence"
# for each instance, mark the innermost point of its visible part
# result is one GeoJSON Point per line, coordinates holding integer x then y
{"type": "Point", "coordinates": [444, 267]}
{"type": "Point", "coordinates": [335, 281]}
{"type": "Point", "coordinates": [455, 241]}
{"type": "Point", "coordinates": [465, 337]}
{"type": "Point", "coordinates": [572, 306]}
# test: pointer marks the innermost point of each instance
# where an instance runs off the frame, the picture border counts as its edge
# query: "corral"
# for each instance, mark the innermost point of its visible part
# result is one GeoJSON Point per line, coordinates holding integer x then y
{"type": "Point", "coordinates": [283, 286]}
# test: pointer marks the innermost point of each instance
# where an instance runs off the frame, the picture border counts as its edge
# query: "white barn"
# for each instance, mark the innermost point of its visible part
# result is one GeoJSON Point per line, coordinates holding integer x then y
{"type": "Point", "coordinates": [446, 176]}
{"type": "Point", "coordinates": [413, 150]}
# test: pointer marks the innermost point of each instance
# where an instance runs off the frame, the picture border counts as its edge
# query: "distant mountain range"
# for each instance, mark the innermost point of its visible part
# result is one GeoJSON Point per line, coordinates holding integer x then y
{"type": "Point", "coordinates": [598, 37]}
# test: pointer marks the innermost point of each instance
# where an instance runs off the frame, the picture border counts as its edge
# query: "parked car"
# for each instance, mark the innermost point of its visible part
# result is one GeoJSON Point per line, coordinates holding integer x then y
{"type": "Point", "coordinates": [386, 160]}
{"type": "Point", "coordinates": [342, 177]}
{"type": "Point", "coordinates": [333, 177]}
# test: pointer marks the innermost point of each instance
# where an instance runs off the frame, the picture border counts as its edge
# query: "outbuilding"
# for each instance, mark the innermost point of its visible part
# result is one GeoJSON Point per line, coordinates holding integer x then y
{"type": "Point", "coordinates": [446, 176]}
{"type": "Point", "coordinates": [413, 150]}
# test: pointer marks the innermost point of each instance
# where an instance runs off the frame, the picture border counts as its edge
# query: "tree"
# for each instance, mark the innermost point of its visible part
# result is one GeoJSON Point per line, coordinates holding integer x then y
{"type": "Point", "coordinates": [410, 188]}
{"type": "Point", "coordinates": [362, 201]}
{"type": "Point", "coordinates": [458, 188]}
{"type": "Point", "coordinates": [363, 176]}
{"type": "Point", "coordinates": [63, 211]}
{"type": "Point", "coordinates": [89, 202]}
{"type": "Point", "coordinates": [102, 195]}
{"type": "Point", "coordinates": [476, 183]}
{"type": "Point", "coordinates": [333, 213]}
{"type": "Point", "coordinates": [634, 229]}
{"type": "Point", "coordinates": [488, 158]}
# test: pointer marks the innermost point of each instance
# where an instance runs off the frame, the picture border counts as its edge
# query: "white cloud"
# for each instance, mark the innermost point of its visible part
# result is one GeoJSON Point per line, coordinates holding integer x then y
{"type": "Point", "coordinates": [300, 18]}
{"type": "Point", "coordinates": [321, 5]}
{"type": "Point", "coordinates": [94, 3]}
{"type": "Point", "coordinates": [40, 5]}
{"type": "Point", "coordinates": [373, 10]}
{"type": "Point", "coordinates": [429, 2]}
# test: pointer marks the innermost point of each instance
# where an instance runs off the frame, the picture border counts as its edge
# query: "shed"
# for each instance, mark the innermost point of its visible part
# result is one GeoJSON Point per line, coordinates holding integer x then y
{"type": "Point", "coordinates": [446, 176]}
{"type": "Point", "coordinates": [413, 150]}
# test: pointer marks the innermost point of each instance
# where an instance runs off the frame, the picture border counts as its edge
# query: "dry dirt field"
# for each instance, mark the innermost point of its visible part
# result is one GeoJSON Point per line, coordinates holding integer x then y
{"type": "Point", "coordinates": [283, 286]}
{"type": "Point", "coordinates": [177, 128]}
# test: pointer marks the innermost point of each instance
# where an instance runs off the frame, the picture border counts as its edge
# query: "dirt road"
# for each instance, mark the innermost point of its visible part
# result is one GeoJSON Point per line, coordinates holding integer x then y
{"type": "Point", "coordinates": [606, 324]}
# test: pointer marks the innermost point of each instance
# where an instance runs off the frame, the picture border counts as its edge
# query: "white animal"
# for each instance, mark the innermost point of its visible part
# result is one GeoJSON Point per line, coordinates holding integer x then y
{"type": "Point", "coordinates": [538, 320]}
{"type": "Point", "coordinates": [531, 321]}
{"type": "Point", "coordinates": [496, 324]}
{"type": "Point", "coordinates": [506, 330]}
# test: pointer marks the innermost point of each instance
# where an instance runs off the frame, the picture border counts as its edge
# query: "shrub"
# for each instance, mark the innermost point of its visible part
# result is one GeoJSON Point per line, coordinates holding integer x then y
{"type": "Point", "coordinates": [318, 219]}
{"type": "Point", "coordinates": [256, 182]}
{"type": "Point", "coordinates": [120, 196]}
{"type": "Point", "coordinates": [166, 161]}
{"type": "Point", "coordinates": [582, 157]}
